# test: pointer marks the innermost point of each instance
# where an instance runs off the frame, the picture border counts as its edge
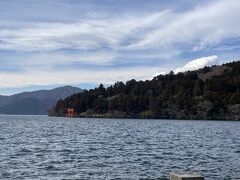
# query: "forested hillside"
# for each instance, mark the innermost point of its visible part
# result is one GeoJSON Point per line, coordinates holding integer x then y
{"type": "Point", "coordinates": [208, 93]}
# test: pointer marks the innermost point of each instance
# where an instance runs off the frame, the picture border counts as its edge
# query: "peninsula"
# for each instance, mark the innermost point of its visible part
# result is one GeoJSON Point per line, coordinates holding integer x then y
{"type": "Point", "coordinates": [208, 93]}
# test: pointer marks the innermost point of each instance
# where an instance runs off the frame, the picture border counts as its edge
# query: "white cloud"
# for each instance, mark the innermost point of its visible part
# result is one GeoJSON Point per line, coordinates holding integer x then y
{"type": "Point", "coordinates": [202, 27]}
{"type": "Point", "coordinates": [34, 77]}
{"type": "Point", "coordinates": [51, 59]}
{"type": "Point", "coordinates": [198, 63]}
{"type": "Point", "coordinates": [159, 73]}
{"type": "Point", "coordinates": [199, 28]}
{"type": "Point", "coordinates": [103, 41]}
{"type": "Point", "coordinates": [86, 34]}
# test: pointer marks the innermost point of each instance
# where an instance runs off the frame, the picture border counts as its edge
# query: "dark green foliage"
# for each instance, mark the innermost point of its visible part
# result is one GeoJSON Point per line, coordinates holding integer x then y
{"type": "Point", "coordinates": [201, 94]}
{"type": "Point", "coordinates": [198, 88]}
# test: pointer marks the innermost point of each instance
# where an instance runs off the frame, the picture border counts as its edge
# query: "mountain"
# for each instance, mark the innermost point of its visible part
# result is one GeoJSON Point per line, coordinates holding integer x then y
{"type": "Point", "coordinates": [208, 93]}
{"type": "Point", "coordinates": [36, 102]}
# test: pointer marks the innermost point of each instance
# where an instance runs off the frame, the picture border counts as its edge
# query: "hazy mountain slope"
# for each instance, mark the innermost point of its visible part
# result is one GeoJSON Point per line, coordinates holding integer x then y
{"type": "Point", "coordinates": [36, 102]}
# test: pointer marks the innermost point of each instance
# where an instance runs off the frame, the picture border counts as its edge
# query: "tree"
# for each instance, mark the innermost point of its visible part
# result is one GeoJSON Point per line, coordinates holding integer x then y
{"type": "Point", "coordinates": [101, 89]}
{"type": "Point", "coordinates": [197, 90]}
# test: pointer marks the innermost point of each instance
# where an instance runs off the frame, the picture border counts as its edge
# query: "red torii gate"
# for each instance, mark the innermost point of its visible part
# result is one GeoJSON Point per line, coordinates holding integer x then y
{"type": "Point", "coordinates": [70, 112]}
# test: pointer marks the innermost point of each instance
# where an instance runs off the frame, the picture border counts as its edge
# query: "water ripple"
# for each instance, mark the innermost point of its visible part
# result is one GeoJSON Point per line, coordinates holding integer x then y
{"type": "Point", "coordinates": [40, 147]}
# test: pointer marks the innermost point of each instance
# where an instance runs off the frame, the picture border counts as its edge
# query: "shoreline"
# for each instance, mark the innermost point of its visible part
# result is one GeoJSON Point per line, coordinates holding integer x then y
{"type": "Point", "coordinates": [138, 118]}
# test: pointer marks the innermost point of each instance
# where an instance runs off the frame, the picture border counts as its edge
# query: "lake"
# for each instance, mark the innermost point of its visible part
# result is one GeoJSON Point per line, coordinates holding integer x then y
{"type": "Point", "coordinates": [41, 147]}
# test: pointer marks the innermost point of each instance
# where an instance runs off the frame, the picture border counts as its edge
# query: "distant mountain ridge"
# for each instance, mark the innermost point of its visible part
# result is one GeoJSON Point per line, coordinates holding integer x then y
{"type": "Point", "coordinates": [35, 102]}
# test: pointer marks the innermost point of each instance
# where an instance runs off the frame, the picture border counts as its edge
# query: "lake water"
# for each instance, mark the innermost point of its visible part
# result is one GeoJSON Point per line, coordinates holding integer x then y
{"type": "Point", "coordinates": [41, 147]}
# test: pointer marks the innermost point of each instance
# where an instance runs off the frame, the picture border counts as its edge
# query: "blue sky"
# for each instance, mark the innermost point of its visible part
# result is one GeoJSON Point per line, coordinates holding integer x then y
{"type": "Point", "coordinates": [50, 43]}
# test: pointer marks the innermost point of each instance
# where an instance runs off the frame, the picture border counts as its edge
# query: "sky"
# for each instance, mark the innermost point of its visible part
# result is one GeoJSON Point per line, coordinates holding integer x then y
{"type": "Point", "coordinates": [51, 43]}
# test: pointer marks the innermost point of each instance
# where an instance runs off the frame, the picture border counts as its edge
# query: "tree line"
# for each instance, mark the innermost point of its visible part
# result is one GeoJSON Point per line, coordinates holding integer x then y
{"type": "Point", "coordinates": [207, 93]}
